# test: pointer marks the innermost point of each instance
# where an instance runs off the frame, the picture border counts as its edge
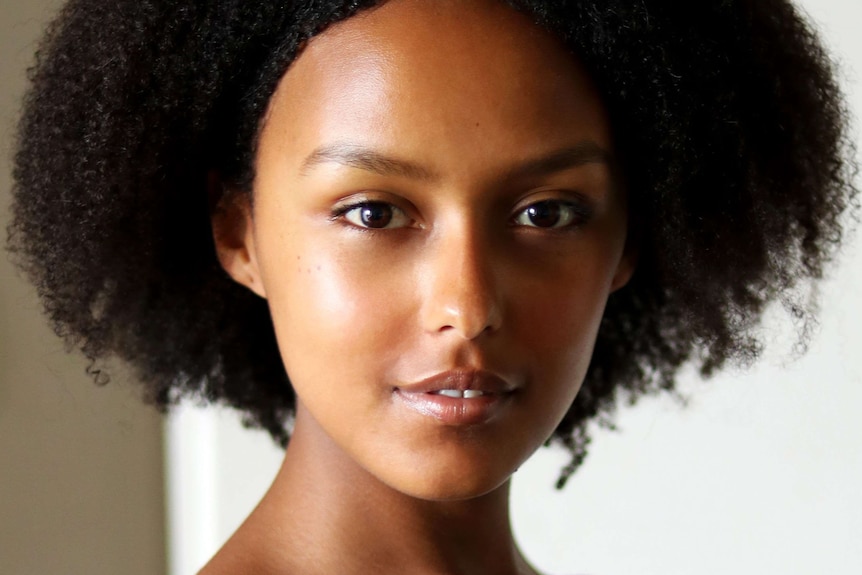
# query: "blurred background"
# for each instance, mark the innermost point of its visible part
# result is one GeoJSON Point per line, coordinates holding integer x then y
{"type": "Point", "coordinates": [759, 474]}
{"type": "Point", "coordinates": [81, 488]}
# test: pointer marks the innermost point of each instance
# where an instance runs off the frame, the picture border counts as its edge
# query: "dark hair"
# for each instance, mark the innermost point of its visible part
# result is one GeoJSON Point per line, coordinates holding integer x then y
{"type": "Point", "coordinates": [726, 115]}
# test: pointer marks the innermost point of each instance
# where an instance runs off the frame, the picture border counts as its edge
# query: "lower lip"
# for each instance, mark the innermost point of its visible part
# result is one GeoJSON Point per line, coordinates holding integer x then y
{"type": "Point", "coordinates": [455, 411]}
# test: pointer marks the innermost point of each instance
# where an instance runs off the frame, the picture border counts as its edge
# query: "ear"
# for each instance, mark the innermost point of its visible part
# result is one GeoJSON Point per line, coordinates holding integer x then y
{"type": "Point", "coordinates": [233, 234]}
{"type": "Point", "coordinates": [626, 266]}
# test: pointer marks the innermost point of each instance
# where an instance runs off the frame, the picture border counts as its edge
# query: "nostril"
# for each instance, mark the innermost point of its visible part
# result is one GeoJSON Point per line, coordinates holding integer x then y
{"type": "Point", "coordinates": [470, 323]}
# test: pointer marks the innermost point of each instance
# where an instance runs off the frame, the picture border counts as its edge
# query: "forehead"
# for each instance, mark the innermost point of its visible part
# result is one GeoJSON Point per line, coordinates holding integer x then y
{"type": "Point", "coordinates": [424, 75]}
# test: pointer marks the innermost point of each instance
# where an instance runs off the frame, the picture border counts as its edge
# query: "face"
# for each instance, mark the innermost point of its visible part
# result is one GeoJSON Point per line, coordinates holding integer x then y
{"type": "Point", "coordinates": [436, 229]}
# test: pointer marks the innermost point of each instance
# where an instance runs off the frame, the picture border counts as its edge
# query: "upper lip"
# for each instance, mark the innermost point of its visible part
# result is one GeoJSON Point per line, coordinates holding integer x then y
{"type": "Point", "coordinates": [461, 380]}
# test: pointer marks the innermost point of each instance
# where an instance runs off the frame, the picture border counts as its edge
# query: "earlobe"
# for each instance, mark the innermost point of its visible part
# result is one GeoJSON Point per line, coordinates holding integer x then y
{"type": "Point", "coordinates": [233, 235]}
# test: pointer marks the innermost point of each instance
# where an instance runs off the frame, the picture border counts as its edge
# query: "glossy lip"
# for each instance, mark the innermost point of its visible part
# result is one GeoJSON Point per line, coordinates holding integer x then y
{"type": "Point", "coordinates": [457, 411]}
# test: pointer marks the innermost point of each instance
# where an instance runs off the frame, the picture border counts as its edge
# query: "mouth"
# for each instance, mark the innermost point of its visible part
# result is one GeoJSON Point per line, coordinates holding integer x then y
{"type": "Point", "coordinates": [458, 397]}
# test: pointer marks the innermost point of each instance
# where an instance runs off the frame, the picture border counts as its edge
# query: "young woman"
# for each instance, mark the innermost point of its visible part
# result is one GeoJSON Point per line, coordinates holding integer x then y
{"type": "Point", "coordinates": [426, 237]}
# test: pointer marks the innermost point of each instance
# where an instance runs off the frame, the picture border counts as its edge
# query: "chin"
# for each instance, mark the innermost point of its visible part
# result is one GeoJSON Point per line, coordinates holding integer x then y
{"type": "Point", "coordinates": [443, 491]}
{"type": "Point", "coordinates": [450, 483]}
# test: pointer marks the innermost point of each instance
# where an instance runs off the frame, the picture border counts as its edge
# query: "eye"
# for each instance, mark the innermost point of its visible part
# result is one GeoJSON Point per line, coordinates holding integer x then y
{"type": "Point", "coordinates": [375, 216]}
{"type": "Point", "coordinates": [551, 214]}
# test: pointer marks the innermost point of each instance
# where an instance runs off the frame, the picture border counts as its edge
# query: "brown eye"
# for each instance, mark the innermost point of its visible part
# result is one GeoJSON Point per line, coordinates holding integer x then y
{"type": "Point", "coordinates": [549, 214]}
{"type": "Point", "coordinates": [376, 216]}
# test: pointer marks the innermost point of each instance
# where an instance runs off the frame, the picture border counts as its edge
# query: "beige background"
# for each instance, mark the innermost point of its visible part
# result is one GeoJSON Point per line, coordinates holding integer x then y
{"type": "Point", "coordinates": [81, 488]}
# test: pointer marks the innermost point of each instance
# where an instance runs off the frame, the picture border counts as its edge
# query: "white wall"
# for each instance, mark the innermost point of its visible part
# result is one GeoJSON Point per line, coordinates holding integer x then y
{"type": "Point", "coordinates": [760, 474]}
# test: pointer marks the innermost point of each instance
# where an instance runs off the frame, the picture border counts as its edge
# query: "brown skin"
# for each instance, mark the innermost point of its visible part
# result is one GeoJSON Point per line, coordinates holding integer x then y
{"type": "Point", "coordinates": [470, 106]}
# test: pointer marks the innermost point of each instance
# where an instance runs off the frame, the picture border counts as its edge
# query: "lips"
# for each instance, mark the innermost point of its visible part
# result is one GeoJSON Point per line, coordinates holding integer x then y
{"type": "Point", "coordinates": [457, 397]}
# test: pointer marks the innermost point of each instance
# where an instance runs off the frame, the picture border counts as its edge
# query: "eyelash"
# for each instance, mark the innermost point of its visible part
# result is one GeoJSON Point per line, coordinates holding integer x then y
{"type": "Point", "coordinates": [574, 215]}
{"type": "Point", "coordinates": [341, 213]}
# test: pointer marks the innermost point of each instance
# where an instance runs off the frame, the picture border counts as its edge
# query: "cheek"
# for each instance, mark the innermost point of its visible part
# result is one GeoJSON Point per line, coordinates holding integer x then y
{"type": "Point", "coordinates": [556, 318]}
{"type": "Point", "coordinates": [334, 310]}
{"type": "Point", "coordinates": [555, 315]}
{"type": "Point", "coordinates": [559, 311]}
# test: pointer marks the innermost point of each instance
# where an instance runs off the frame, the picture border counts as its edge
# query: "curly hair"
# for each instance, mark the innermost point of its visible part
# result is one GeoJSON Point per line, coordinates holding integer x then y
{"type": "Point", "coordinates": [726, 116]}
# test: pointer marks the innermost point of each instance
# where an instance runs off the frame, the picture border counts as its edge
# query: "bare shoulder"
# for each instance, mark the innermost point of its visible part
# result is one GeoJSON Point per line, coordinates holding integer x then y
{"type": "Point", "coordinates": [245, 554]}
{"type": "Point", "coordinates": [226, 562]}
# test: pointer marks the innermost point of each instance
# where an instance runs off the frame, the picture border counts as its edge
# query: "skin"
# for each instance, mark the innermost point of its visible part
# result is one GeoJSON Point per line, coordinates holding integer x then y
{"type": "Point", "coordinates": [448, 120]}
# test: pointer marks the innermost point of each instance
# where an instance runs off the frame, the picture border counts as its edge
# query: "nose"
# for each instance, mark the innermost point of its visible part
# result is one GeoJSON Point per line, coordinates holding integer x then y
{"type": "Point", "coordinates": [459, 285]}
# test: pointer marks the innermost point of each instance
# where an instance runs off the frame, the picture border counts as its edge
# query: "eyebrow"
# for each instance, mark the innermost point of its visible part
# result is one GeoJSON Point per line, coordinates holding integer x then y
{"type": "Point", "coordinates": [587, 152]}
{"type": "Point", "coordinates": [356, 156]}
{"type": "Point", "coordinates": [360, 157]}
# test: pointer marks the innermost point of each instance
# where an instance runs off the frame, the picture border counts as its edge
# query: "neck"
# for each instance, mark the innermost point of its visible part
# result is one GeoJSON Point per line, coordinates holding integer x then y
{"type": "Point", "coordinates": [326, 514]}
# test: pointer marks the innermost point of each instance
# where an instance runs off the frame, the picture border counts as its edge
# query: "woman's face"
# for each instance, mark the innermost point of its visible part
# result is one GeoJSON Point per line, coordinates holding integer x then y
{"type": "Point", "coordinates": [436, 229]}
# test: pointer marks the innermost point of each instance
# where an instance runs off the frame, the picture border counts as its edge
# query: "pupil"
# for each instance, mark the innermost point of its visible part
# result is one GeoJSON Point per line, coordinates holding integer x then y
{"type": "Point", "coordinates": [376, 215]}
{"type": "Point", "coordinates": [544, 214]}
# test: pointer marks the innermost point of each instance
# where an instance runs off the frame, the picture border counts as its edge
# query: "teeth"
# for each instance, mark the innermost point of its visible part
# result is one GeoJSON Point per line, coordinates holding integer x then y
{"type": "Point", "coordinates": [466, 394]}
